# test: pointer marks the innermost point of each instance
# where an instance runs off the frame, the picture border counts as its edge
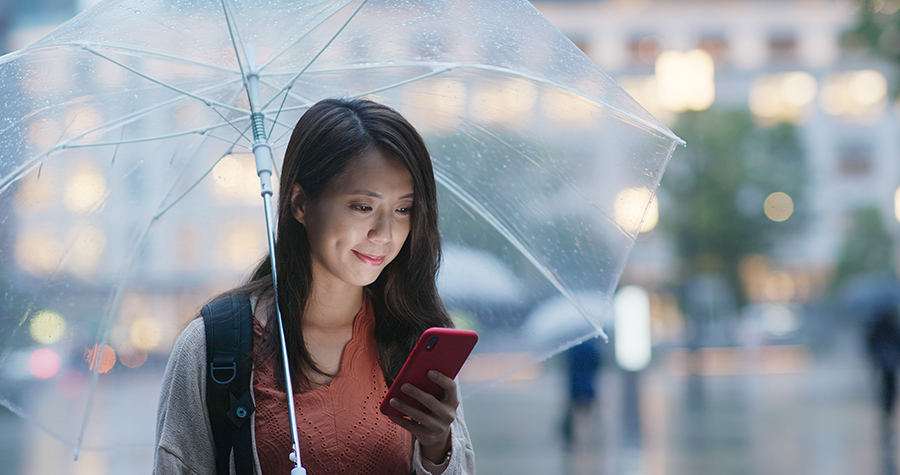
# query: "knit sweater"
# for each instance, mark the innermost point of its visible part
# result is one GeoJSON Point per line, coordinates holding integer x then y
{"type": "Point", "coordinates": [184, 442]}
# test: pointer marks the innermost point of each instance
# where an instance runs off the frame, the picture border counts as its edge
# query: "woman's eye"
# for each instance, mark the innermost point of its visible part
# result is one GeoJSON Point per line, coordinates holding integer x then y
{"type": "Point", "coordinates": [404, 210]}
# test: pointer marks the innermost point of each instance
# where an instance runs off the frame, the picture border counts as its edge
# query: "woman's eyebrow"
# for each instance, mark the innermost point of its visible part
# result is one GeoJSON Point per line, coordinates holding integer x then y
{"type": "Point", "coordinates": [375, 194]}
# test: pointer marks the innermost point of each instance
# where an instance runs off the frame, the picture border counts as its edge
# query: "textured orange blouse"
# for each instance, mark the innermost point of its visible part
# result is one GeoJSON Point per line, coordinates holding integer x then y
{"type": "Point", "coordinates": [341, 429]}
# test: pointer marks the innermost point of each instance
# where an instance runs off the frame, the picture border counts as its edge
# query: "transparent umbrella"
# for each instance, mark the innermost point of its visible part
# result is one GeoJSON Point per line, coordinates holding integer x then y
{"type": "Point", "coordinates": [129, 191]}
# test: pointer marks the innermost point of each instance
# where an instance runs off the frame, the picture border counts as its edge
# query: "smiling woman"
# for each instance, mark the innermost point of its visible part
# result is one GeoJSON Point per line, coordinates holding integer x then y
{"type": "Point", "coordinates": [357, 251]}
{"type": "Point", "coordinates": [360, 222]}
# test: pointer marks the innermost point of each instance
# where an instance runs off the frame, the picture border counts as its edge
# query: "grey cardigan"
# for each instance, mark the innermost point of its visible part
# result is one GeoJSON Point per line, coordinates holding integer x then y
{"type": "Point", "coordinates": [184, 442]}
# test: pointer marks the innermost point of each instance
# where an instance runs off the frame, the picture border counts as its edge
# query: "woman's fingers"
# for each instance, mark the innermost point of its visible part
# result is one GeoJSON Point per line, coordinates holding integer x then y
{"type": "Point", "coordinates": [449, 385]}
{"type": "Point", "coordinates": [433, 425]}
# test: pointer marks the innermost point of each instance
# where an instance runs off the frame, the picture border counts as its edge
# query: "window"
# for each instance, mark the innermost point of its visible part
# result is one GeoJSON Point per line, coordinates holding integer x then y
{"type": "Point", "coordinates": [782, 47]}
{"type": "Point", "coordinates": [855, 160]}
{"type": "Point", "coordinates": [716, 47]}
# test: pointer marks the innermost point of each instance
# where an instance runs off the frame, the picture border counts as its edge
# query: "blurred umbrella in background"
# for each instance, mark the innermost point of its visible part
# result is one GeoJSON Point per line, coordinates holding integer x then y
{"type": "Point", "coordinates": [864, 296]}
{"type": "Point", "coordinates": [129, 194]}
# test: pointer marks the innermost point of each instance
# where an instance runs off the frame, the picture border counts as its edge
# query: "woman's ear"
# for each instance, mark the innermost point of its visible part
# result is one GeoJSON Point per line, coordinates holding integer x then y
{"type": "Point", "coordinates": [298, 203]}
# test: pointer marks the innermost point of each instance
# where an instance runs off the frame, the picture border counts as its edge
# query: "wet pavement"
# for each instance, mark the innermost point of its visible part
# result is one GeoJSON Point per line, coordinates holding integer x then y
{"type": "Point", "coordinates": [818, 418]}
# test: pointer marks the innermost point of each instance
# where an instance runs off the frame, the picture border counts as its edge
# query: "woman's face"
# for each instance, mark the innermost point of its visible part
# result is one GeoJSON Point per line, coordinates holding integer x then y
{"type": "Point", "coordinates": [359, 223]}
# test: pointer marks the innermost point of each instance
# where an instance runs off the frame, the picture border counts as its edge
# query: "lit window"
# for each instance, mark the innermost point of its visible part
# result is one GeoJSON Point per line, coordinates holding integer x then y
{"type": "Point", "coordinates": [782, 97]}
{"type": "Point", "coordinates": [854, 93]}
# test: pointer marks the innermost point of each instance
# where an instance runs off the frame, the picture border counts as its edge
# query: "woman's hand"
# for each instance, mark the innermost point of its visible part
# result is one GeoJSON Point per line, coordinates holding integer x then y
{"type": "Point", "coordinates": [431, 430]}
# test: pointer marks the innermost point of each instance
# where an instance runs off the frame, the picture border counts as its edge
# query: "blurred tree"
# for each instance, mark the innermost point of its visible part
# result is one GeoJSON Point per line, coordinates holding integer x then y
{"type": "Point", "coordinates": [877, 29]}
{"type": "Point", "coordinates": [868, 248]}
{"type": "Point", "coordinates": [714, 193]}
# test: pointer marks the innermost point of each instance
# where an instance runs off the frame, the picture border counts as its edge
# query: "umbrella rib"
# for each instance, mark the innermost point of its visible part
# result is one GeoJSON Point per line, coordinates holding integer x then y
{"type": "Point", "coordinates": [24, 415]}
{"type": "Point", "coordinates": [235, 37]}
{"type": "Point", "coordinates": [163, 211]}
{"type": "Point", "coordinates": [448, 66]}
{"type": "Point", "coordinates": [290, 83]}
{"type": "Point", "coordinates": [112, 47]}
{"type": "Point", "coordinates": [115, 302]}
{"type": "Point", "coordinates": [565, 183]}
{"type": "Point", "coordinates": [15, 174]}
{"type": "Point", "coordinates": [504, 231]}
{"type": "Point", "coordinates": [204, 100]}
{"type": "Point", "coordinates": [312, 28]}
{"type": "Point", "coordinates": [203, 131]}
{"type": "Point", "coordinates": [385, 88]}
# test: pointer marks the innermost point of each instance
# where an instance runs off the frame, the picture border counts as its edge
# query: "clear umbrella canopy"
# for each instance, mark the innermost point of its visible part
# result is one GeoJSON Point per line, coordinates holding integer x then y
{"type": "Point", "coordinates": [129, 194]}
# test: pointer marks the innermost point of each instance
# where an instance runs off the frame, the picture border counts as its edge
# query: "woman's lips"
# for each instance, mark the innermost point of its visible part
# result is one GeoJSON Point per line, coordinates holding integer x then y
{"type": "Point", "coordinates": [371, 260]}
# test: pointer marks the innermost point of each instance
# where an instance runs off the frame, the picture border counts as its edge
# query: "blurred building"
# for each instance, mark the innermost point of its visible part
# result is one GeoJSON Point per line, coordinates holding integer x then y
{"type": "Point", "coordinates": [785, 61]}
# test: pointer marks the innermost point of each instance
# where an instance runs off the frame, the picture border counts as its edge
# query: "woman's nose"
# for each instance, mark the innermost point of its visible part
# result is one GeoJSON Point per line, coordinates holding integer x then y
{"type": "Point", "coordinates": [381, 228]}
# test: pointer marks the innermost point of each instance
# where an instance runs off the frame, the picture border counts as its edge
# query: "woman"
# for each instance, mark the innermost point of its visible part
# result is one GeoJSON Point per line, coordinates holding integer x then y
{"type": "Point", "coordinates": [357, 250]}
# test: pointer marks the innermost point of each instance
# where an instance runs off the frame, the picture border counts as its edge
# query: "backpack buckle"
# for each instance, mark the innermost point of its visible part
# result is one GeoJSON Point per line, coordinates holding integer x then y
{"type": "Point", "coordinates": [215, 368]}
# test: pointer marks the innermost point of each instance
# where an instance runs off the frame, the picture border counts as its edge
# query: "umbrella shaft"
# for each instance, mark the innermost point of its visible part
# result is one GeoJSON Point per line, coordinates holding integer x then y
{"type": "Point", "coordinates": [295, 441]}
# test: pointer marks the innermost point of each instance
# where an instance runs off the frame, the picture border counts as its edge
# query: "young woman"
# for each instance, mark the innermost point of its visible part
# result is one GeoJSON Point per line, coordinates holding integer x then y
{"type": "Point", "coordinates": [357, 250]}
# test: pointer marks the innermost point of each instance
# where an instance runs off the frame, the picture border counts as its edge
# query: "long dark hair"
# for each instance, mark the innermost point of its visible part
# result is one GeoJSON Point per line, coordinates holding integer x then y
{"type": "Point", "coordinates": [328, 139]}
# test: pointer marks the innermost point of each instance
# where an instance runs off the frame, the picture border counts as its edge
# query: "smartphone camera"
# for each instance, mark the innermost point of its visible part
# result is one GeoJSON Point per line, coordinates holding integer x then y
{"type": "Point", "coordinates": [430, 346]}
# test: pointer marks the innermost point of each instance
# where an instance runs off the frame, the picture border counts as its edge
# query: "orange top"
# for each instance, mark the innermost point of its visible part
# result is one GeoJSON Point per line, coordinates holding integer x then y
{"type": "Point", "coordinates": [341, 429]}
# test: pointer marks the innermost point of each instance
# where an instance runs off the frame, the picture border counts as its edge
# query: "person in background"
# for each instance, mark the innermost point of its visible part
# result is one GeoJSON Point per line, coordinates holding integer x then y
{"type": "Point", "coordinates": [883, 346]}
{"type": "Point", "coordinates": [583, 363]}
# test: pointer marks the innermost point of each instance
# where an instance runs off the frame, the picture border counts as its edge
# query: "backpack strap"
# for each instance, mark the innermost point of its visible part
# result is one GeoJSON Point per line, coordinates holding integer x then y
{"type": "Point", "coordinates": [228, 321]}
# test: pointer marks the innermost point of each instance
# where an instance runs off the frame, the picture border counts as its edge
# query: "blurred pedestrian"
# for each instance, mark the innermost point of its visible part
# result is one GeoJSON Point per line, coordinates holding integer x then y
{"type": "Point", "coordinates": [583, 363]}
{"type": "Point", "coordinates": [883, 345]}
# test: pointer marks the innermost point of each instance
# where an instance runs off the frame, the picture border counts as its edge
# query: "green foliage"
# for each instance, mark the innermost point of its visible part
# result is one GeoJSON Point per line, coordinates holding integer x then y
{"type": "Point", "coordinates": [877, 29]}
{"type": "Point", "coordinates": [868, 248]}
{"type": "Point", "coordinates": [713, 192]}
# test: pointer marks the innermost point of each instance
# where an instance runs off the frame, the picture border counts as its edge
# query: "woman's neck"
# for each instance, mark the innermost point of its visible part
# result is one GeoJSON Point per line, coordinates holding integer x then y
{"type": "Point", "coordinates": [332, 306]}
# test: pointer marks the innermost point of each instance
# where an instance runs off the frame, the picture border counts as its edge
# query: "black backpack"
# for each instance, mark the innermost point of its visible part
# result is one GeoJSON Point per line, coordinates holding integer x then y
{"type": "Point", "coordinates": [228, 321]}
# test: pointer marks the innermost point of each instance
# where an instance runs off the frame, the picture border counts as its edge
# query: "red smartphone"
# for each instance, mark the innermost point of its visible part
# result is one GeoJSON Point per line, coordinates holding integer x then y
{"type": "Point", "coordinates": [441, 349]}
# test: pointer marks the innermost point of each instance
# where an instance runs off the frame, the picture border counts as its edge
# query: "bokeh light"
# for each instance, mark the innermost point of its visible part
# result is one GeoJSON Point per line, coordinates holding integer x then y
{"type": "Point", "coordinates": [780, 287]}
{"type": "Point", "coordinates": [145, 333]}
{"type": "Point", "coordinates": [240, 244]}
{"type": "Point", "coordinates": [651, 219]}
{"type": "Point", "coordinates": [686, 80]}
{"type": "Point", "coordinates": [44, 363]}
{"type": "Point", "coordinates": [235, 179]}
{"type": "Point", "coordinates": [897, 204]}
{"type": "Point", "coordinates": [47, 327]}
{"type": "Point", "coordinates": [631, 306]}
{"type": "Point", "coordinates": [100, 358]}
{"type": "Point", "coordinates": [630, 206]}
{"type": "Point", "coordinates": [854, 93]}
{"type": "Point", "coordinates": [85, 188]}
{"type": "Point", "coordinates": [132, 356]}
{"type": "Point", "coordinates": [37, 252]}
{"type": "Point", "coordinates": [778, 206]}
{"type": "Point", "coordinates": [782, 97]}
{"type": "Point", "coordinates": [87, 249]}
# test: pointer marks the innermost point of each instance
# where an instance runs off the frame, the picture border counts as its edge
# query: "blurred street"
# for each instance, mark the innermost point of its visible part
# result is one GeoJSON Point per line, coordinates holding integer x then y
{"type": "Point", "coordinates": [821, 420]}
